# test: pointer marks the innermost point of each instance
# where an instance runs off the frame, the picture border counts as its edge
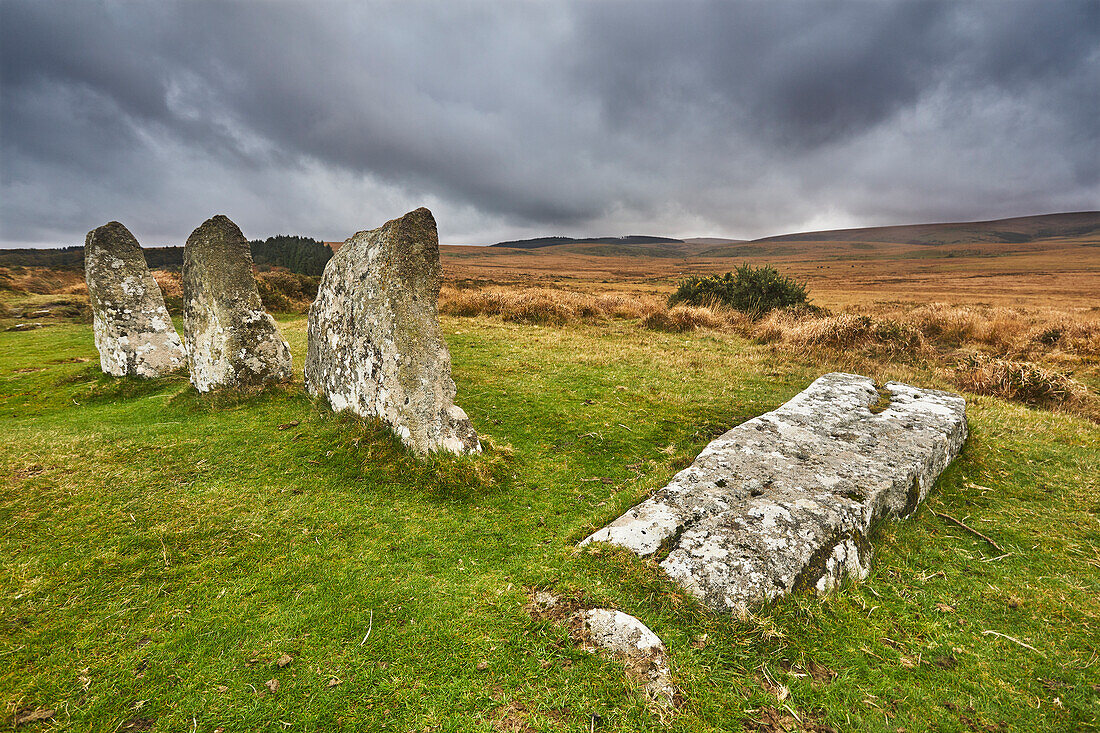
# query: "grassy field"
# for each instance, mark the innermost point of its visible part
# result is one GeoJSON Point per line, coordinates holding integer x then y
{"type": "Point", "coordinates": [163, 552]}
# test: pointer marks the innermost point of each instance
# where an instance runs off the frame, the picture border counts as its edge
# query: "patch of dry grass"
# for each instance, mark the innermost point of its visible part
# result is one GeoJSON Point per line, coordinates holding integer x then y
{"type": "Point", "coordinates": [546, 306]}
{"type": "Point", "coordinates": [1021, 381]}
{"type": "Point", "coordinates": [42, 281]}
{"type": "Point", "coordinates": [1004, 346]}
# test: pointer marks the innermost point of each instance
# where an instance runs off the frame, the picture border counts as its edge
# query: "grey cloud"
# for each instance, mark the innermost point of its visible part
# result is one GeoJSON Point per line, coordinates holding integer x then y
{"type": "Point", "coordinates": [512, 119]}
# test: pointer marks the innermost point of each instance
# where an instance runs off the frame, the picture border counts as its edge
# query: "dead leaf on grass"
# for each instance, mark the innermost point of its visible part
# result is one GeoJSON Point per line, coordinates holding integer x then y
{"type": "Point", "coordinates": [29, 715]}
{"type": "Point", "coordinates": [775, 720]}
{"type": "Point", "coordinates": [820, 672]}
{"type": "Point", "coordinates": [333, 682]}
{"type": "Point", "coordinates": [947, 661]}
{"type": "Point", "coordinates": [289, 425]}
{"type": "Point", "coordinates": [945, 608]}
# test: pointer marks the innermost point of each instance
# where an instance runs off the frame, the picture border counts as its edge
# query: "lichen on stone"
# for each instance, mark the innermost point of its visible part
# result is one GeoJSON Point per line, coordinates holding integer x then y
{"type": "Point", "coordinates": [786, 501]}
{"type": "Point", "coordinates": [232, 342]}
{"type": "Point", "coordinates": [374, 343]}
{"type": "Point", "coordinates": [133, 332]}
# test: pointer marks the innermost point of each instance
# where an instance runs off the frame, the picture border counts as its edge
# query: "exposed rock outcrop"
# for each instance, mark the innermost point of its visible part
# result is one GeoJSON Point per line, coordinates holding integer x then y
{"type": "Point", "coordinates": [231, 340]}
{"type": "Point", "coordinates": [787, 501]}
{"type": "Point", "coordinates": [133, 332]}
{"type": "Point", "coordinates": [375, 347]}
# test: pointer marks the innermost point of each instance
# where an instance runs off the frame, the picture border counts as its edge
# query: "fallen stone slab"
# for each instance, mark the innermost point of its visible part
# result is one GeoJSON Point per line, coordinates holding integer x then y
{"type": "Point", "coordinates": [622, 636]}
{"type": "Point", "coordinates": [133, 331]}
{"type": "Point", "coordinates": [787, 501]}
{"type": "Point", "coordinates": [375, 346]}
{"type": "Point", "coordinates": [232, 342]}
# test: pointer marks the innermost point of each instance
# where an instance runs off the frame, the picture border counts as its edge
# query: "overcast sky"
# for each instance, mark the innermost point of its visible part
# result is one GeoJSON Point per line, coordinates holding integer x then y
{"type": "Point", "coordinates": [737, 119]}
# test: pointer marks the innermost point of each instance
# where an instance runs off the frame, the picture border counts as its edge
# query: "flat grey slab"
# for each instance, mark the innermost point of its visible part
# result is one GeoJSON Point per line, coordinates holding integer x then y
{"type": "Point", "coordinates": [786, 501]}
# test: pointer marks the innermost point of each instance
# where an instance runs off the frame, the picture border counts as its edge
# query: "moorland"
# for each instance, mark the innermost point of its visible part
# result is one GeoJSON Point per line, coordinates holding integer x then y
{"type": "Point", "coordinates": [173, 561]}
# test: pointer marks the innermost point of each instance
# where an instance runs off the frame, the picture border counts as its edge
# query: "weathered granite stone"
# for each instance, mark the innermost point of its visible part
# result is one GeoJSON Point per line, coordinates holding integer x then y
{"type": "Point", "coordinates": [787, 501]}
{"type": "Point", "coordinates": [133, 332]}
{"type": "Point", "coordinates": [375, 346]}
{"type": "Point", "coordinates": [231, 340]}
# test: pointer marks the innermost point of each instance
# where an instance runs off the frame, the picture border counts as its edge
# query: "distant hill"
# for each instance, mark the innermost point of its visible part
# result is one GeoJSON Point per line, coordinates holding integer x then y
{"type": "Point", "coordinates": [1017, 230]}
{"type": "Point", "coordinates": [552, 241]}
{"type": "Point", "coordinates": [712, 240]}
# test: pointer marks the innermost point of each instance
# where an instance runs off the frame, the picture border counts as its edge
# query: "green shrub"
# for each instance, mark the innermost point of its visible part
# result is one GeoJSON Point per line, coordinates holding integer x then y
{"type": "Point", "coordinates": [752, 290]}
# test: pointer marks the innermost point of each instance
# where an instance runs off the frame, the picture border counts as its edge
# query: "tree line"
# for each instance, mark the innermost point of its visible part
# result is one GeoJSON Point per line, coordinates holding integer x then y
{"type": "Point", "coordinates": [301, 255]}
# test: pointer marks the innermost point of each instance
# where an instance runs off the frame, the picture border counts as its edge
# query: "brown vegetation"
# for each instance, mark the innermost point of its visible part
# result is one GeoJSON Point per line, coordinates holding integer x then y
{"type": "Point", "coordinates": [1018, 353]}
{"type": "Point", "coordinates": [1018, 320]}
{"type": "Point", "coordinates": [542, 305]}
{"type": "Point", "coordinates": [42, 281]}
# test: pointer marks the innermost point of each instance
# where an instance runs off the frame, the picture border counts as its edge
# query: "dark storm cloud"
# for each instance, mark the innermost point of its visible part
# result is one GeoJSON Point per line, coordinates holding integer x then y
{"type": "Point", "coordinates": [507, 119]}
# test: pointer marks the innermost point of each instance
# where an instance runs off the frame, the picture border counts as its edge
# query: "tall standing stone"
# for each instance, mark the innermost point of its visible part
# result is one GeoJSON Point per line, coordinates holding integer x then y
{"type": "Point", "coordinates": [133, 331]}
{"type": "Point", "coordinates": [375, 346]}
{"type": "Point", "coordinates": [231, 340]}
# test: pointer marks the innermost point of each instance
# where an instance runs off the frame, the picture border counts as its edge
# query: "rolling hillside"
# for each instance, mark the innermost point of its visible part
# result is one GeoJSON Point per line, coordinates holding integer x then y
{"type": "Point", "coordinates": [1017, 230]}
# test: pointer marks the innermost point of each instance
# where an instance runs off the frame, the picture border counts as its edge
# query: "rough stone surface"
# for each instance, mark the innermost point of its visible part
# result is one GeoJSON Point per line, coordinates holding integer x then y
{"type": "Point", "coordinates": [232, 342]}
{"type": "Point", "coordinates": [787, 501]}
{"type": "Point", "coordinates": [133, 332]}
{"type": "Point", "coordinates": [375, 346]}
{"type": "Point", "coordinates": [631, 642]}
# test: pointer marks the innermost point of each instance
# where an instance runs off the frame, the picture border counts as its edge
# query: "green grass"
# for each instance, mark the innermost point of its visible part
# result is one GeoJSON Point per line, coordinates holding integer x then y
{"type": "Point", "coordinates": [162, 549]}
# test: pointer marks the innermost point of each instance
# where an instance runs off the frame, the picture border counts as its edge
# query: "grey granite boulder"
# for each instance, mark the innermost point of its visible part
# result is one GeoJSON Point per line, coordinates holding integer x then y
{"type": "Point", "coordinates": [787, 501]}
{"type": "Point", "coordinates": [232, 342]}
{"type": "Point", "coordinates": [375, 347]}
{"type": "Point", "coordinates": [133, 332]}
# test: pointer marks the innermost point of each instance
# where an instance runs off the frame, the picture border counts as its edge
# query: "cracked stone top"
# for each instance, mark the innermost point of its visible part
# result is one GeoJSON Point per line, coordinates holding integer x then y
{"type": "Point", "coordinates": [786, 501]}
{"type": "Point", "coordinates": [133, 332]}
{"type": "Point", "coordinates": [374, 341]}
{"type": "Point", "coordinates": [231, 340]}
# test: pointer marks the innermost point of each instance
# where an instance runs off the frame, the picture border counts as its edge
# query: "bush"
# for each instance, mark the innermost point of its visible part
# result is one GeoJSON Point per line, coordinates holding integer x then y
{"type": "Point", "coordinates": [752, 290]}
{"type": "Point", "coordinates": [284, 291]}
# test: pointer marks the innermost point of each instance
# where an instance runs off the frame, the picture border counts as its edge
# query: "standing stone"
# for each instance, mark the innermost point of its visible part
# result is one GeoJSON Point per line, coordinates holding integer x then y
{"type": "Point", "coordinates": [133, 331]}
{"type": "Point", "coordinates": [374, 341]}
{"type": "Point", "coordinates": [231, 340]}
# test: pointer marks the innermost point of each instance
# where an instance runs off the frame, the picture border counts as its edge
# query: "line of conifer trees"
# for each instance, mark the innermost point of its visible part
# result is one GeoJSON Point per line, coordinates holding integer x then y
{"type": "Point", "coordinates": [301, 255]}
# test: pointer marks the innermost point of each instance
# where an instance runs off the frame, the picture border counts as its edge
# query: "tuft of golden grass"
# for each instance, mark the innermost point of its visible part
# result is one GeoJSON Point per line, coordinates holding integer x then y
{"type": "Point", "coordinates": [683, 318]}
{"type": "Point", "coordinates": [542, 305]}
{"type": "Point", "coordinates": [1021, 381]}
